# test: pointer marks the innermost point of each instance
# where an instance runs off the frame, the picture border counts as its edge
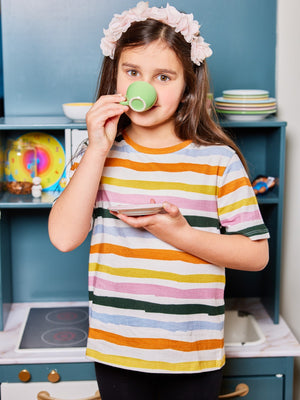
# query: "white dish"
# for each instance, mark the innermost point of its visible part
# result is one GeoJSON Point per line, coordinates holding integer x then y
{"type": "Point", "coordinates": [76, 111]}
{"type": "Point", "coordinates": [135, 210]}
{"type": "Point", "coordinates": [245, 101]}
{"type": "Point", "coordinates": [246, 92]}
{"type": "Point", "coordinates": [242, 110]}
{"type": "Point", "coordinates": [246, 117]}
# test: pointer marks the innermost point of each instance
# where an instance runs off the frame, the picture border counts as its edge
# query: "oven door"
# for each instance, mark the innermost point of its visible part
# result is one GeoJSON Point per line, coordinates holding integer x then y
{"type": "Point", "coordinates": [55, 391]}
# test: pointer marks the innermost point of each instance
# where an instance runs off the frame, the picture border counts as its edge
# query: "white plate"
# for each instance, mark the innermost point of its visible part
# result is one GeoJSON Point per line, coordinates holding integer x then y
{"type": "Point", "coordinates": [245, 92]}
{"type": "Point", "coordinates": [134, 210]}
{"type": "Point", "coordinates": [222, 100]}
{"type": "Point", "coordinates": [233, 117]}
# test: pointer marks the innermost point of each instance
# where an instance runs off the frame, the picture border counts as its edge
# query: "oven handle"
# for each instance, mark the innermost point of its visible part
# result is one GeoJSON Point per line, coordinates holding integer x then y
{"type": "Point", "coordinates": [43, 395]}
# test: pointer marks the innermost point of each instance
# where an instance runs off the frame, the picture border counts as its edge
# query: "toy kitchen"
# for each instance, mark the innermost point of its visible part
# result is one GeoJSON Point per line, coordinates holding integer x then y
{"type": "Point", "coordinates": [43, 292]}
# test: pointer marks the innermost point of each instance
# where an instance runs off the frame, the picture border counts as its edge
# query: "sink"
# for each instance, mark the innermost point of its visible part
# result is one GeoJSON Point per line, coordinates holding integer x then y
{"type": "Point", "coordinates": [241, 329]}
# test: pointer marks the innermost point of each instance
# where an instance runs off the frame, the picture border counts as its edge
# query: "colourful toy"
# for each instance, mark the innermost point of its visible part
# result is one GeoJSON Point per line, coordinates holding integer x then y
{"type": "Point", "coordinates": [262, 184]}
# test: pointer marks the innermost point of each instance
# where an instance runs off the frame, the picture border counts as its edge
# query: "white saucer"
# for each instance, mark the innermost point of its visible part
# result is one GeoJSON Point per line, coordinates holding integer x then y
{"type": "Point", "coordinates": [134, 210]}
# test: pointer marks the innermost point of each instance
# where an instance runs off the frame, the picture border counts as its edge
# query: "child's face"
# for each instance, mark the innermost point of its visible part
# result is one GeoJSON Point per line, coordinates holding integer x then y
{"type": "Point", "coordinates": [157, 64]}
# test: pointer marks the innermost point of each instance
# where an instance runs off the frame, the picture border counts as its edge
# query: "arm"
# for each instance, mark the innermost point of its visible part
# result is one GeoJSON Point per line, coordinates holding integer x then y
{"type": "Point", "coordinates": [69, 220]}
{"type": "Point", "coordinates": [231, 251]}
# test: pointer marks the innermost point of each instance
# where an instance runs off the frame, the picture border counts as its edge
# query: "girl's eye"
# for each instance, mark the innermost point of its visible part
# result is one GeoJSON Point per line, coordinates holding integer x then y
{"type": "Point", "coordinates": [163, 78]}
{"type": "Point", "coordinates": [132, 72]}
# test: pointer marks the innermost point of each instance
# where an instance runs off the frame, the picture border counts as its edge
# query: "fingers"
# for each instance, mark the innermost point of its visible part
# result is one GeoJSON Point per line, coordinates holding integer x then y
{"type": "Point", "coordinates": [171, 209]}
{"type": "Point", "coordinates": [102, 120]}
{"type": "Point", "coordinates": [104, 108]}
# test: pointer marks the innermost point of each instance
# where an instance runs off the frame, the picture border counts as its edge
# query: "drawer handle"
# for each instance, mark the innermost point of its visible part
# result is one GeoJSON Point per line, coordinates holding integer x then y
{"type": "Point", "coordinates": [53, 376]}
{"type": "Point", "coordinates": [241, 390]}
{"type": "Point", "coordinates": [24, 375]}
{"type": "Point", "coordinates": [46, 396]}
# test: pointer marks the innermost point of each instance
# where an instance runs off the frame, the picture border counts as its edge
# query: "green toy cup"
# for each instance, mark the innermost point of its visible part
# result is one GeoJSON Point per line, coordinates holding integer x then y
{"type": "Point", "coordinates": [141, 96]}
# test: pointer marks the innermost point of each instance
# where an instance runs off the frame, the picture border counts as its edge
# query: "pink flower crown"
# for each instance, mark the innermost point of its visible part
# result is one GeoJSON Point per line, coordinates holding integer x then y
{"type": "Point", "coordinates": [183, 23]}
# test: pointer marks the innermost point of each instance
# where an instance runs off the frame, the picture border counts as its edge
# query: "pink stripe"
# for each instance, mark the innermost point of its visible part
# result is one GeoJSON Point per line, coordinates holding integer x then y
{"type": "Point", "coordinates": [156, 290]}
{"type": "Point", "coordinates": [202, 205]}
{"type": "Point", "coordinates": [243, 217]}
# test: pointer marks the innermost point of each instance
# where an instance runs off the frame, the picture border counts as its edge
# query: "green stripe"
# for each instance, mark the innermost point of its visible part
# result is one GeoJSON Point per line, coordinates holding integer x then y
{"type": "Point", "coordinates": [102, 212]}
{"type": "Point", "coordinates": [253, 231]}
{"type": "Point", "coordinates": [181, 309]}
{"type": "Point", "coordinates": [202, 222]}
{"type": "Point", "coordinates": [193, 220]}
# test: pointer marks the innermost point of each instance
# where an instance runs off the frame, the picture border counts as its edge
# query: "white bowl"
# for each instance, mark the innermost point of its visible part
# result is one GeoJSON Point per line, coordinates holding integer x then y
{"type": "Point", "coordinates": [76, 111]}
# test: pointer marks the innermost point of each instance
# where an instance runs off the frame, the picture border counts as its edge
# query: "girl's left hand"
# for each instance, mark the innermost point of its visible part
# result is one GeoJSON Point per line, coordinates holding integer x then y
{"type": "Point", "coordinates": [162, 225]}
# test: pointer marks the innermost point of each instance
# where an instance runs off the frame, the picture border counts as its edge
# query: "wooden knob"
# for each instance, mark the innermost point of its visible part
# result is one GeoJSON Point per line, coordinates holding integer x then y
{"type": "Point", "coordinates": [24, 375]}
{"type": "Point", "coordinates": [53, 376]}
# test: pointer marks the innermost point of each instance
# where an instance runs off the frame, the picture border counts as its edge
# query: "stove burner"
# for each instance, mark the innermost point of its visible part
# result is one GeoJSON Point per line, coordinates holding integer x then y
{"type": "Point", "coordinates": [67, 316]}
{"type": "Point", "coordinates": [64, 337]}
{"type": "Point", "coordinates": [55, 328]}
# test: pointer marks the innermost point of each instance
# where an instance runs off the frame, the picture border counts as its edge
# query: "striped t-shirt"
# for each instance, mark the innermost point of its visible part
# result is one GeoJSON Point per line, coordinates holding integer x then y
{"type": "Point", "coordinates": [155, 308]}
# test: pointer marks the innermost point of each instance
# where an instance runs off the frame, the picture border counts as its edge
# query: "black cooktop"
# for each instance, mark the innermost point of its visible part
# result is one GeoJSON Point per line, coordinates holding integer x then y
{"type": "Point", "coordinates": [55, 328]}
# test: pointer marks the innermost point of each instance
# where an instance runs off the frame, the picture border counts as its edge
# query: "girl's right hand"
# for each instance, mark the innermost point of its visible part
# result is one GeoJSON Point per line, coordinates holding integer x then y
{"type": "Point", "coordinates": [102, 120]}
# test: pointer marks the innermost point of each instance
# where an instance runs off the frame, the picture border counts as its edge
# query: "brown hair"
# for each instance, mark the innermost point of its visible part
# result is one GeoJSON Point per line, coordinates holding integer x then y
{"type": "Point", "coordinates": [192, 119]}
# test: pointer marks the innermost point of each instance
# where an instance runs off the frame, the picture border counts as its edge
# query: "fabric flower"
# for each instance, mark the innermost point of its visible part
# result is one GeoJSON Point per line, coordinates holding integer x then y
{"type": "Point", "coordinates": [181, 22]}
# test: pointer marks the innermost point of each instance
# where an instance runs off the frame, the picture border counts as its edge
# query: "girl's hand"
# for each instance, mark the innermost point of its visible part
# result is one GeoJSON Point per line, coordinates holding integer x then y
{"type": "Point", "coordinates": [102, 120]}
{"type": "Point", "coordinates": [162, 225]}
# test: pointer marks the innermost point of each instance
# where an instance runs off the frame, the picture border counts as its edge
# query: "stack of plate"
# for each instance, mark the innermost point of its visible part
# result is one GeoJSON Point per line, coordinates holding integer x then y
{"type": "Point", "coordinates": [245, 105]}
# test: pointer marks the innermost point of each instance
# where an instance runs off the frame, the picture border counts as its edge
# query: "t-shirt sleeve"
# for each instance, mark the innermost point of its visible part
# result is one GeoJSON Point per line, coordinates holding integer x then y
{"type": "Point", "coordinates": [74, 164]}
{"type": "Point", "coordinates": [76, 159]}
{"type": "Point", "coordinates": [238, 209]}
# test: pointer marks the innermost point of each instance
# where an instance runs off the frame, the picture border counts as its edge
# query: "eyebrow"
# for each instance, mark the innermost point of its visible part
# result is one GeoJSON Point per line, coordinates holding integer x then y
{"type": "Point", "coordinates": [157, 70]}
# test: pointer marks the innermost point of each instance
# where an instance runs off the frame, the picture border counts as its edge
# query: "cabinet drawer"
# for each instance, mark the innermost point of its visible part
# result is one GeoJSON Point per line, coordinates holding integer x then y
{"type": "Point", "coordinates": [61, 390]}
{"type": "Point", "coordinates": [81, 371]}
{"type": "Point", "coordinates": [260, 387]}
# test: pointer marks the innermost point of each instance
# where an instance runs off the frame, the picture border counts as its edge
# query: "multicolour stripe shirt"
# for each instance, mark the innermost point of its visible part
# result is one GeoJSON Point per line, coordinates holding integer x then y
{"type": "Point", "coordinates": [155, 308]}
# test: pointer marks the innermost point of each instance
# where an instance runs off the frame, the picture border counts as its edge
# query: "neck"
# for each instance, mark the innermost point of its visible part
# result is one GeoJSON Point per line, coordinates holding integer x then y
{"type": "Point", "coordinates": [153, 137]}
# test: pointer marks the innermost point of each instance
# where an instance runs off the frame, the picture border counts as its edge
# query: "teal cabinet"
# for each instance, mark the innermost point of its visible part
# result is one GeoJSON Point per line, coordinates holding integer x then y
{"type": "Point", "coordinates": [266, 378]}
{"type": "Point", "coordinates": [267, 387]}
{"type": "Point", "coordinates": [263, 146]}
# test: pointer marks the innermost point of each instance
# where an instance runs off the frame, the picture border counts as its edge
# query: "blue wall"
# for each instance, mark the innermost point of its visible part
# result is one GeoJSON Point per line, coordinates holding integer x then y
{"type": "Point", "coordinates": [51, 49]}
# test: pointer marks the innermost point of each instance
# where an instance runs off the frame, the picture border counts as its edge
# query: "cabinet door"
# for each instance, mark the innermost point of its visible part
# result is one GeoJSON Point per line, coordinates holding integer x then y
{"type": "Point", "coordinates": [260, 387]}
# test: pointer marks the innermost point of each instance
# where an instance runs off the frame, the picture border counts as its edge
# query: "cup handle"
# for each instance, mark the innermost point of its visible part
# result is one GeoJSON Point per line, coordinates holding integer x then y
{"type": "Point", "coordinates": [124, 103]}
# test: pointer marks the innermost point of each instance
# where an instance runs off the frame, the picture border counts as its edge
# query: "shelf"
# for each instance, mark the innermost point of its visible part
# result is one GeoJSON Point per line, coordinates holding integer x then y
{"type": "Point", "coordinates": [50, 122]}
{"type": "Point", "coordinates": [61, 122]}
{"type": "Point", "coordinates": [268, 198]}
{"type": "Point", "coordinates": [264, 123]}
{"type": "Point", "coordinates": [8, 200]}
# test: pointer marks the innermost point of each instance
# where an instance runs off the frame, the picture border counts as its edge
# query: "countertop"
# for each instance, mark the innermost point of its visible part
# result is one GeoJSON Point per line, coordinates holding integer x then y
{"type": "Point", "coordinates": [280, 341]}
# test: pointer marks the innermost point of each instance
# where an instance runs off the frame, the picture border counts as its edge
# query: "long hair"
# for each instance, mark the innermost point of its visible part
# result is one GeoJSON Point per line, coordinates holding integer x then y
{"type": "Point", "coordinates": [192, 119]}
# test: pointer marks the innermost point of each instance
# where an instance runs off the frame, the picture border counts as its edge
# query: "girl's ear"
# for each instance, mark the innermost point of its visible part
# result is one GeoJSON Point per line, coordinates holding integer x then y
{"type": "Point", "coordinates": [184, 97]}
{"type": "Point", "coordinates": [185, 94]}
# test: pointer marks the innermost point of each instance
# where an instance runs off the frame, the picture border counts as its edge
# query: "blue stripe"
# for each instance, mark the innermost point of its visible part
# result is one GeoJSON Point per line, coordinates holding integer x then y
{"type": "Point", "coordinates": [235, 166]}
{"type": "Point", "coordinates": [208, 151]}
{"type": "Point", "coordinates": [150, 323]}
{"type": "Point", "coordinates": [123, 232]}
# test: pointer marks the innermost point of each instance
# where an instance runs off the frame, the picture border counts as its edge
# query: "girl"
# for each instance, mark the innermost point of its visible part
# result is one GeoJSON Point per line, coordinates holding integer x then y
{"type": "Point", "coordinates": [156, 282]}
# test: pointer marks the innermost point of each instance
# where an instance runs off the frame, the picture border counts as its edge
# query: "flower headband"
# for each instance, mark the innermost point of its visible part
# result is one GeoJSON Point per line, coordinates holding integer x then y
{"type": "Point", "coordinates": [183, 23]}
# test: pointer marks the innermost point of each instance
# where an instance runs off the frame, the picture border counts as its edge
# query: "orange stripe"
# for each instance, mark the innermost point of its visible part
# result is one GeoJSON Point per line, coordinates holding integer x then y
{"type": "Point", "coordinates": [156, 254]}
{"type": "Point", "coordinates": [166, 167]}
{"type": "Point", "coordinates": [160, 150]}
{"type": "Point", "coordinates": [233, 185]}
{"type": "Point", "coordinates": [74, 166]}
{"type": "Point", "coordinates": [156, 344]}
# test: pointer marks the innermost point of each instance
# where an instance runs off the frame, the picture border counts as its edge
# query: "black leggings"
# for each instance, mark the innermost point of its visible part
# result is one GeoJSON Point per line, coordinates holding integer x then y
{"type": "Point", "coordinates": [121, 384]}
